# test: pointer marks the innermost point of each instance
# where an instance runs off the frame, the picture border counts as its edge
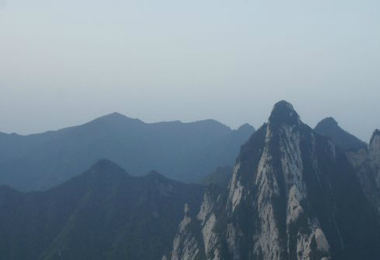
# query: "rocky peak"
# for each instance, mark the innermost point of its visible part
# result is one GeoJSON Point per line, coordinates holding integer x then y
{"type": "Point", "coordinates": [285, 200]}
{"type": "Point", "coordinates": [375, 140]}
{"type": "Point", "coordinates": [283, 113]}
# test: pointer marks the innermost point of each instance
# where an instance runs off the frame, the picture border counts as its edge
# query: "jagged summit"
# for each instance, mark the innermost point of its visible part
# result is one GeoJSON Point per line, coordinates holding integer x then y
{"type": "Point", "coordinates": [375, 134]}
{"type": "Point", "coordinates": [283, 113]}
{"type": "Point", "coordinates": [375, 139]}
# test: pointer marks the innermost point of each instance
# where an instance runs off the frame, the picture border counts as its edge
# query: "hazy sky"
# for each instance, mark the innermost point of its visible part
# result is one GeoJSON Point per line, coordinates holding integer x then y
{"type": "Point", "coordinates": [66, 62]}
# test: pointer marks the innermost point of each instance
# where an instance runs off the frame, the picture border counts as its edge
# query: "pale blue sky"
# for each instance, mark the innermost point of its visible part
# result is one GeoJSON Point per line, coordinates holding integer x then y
{"type": "Point", "coordinates": [65, 62]}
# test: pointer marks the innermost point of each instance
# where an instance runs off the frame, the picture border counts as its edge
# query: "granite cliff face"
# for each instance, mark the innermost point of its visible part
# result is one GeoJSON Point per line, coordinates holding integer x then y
{"type": "Point", "coordinates": [292, 195]}
{"type": "Point", "coordinates": [367, 165]}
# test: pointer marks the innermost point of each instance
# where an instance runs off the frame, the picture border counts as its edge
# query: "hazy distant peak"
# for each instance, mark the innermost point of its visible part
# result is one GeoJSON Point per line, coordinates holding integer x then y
{"type": "Point", "coordinates": [111, 121]}
{"type": "Point", "coordinates": [375, 137]}
{"type": "Point", "coordinates": [330, 128]}
{"type": "Point", "coordinates": [211, 122]}
{"type": "Point", "coordinates": [246, 126]}
{"type": "Point", "coordinates": [175, 149]}
{"type": "Point", "coordinates": [115, 116]}
{"type": "Point", "coordinates": [105, 166]}
{"type": "Point", "coordinates": [328, 122]}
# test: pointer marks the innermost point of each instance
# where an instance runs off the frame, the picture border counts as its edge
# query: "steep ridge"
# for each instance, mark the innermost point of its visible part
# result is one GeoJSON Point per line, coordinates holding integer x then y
{"type": "Point", "coordinates": [367, 165]}
{"type": "Point", "coordinates": [293, 195]}
{"type": "Point", "coordinates": [102, 214]}
{"type": "Point", "coordinates": [181, 151]}
{"type": "Point", "coordinates": [346, 141]}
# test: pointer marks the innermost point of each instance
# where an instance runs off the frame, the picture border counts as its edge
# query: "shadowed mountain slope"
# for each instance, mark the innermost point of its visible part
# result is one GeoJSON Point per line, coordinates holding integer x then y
{"type": "Point", "coordinates": [102, 214]}
{"type": "Point", "coordinates": [346, 141]}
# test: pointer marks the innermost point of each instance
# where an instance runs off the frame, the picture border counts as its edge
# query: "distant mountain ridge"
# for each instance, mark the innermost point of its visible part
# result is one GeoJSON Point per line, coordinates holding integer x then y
{"type": "Point", "coordinates": [181, 151]}
{"type": "Point", "coordinates": [102, 214]}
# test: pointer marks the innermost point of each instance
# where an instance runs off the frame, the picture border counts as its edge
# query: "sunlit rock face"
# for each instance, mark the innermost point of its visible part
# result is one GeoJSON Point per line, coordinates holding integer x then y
{"type": "Point", "coordinates": [292, 195]}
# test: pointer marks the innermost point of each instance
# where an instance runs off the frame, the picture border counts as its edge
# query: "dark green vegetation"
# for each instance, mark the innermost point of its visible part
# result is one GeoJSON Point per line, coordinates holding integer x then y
{"type": "Point", "coordinates": [102, 214]}
{"type": "Point", "coordinates": [346, 141]}
{"type": "Point", "coordinates": [182, 151]}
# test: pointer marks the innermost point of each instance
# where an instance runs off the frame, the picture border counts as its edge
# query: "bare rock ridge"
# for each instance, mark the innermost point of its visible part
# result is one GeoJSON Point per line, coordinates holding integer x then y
{"type": "Point", "coordinates": [292, 196]}
{"type": "Point", "coordinates": [367, 166]}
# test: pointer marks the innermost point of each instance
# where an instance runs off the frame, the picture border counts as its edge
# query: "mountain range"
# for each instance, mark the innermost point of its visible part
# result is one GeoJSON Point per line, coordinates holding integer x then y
{"type": "Point", "coordinates": [182, 151]}
{"type": "Point", "coordinates": [294, 194]}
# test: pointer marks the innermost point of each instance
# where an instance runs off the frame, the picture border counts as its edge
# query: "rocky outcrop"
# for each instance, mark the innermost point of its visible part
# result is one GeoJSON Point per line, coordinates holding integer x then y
{"type": "Point", "coordinates": [196, 237]}
{"type": "Point", "coordinates": [367, 165]}
{"type": "Point", "coordinates": [293, 195]}
{"type": "Point", "coordinates": [374, 151]}
{"type": "Point", "coordinates": [186, 243]}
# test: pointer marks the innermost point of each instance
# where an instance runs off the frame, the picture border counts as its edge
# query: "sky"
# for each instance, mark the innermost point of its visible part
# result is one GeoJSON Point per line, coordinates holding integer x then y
{"type": "Point", "coordinates": [63, 63]}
